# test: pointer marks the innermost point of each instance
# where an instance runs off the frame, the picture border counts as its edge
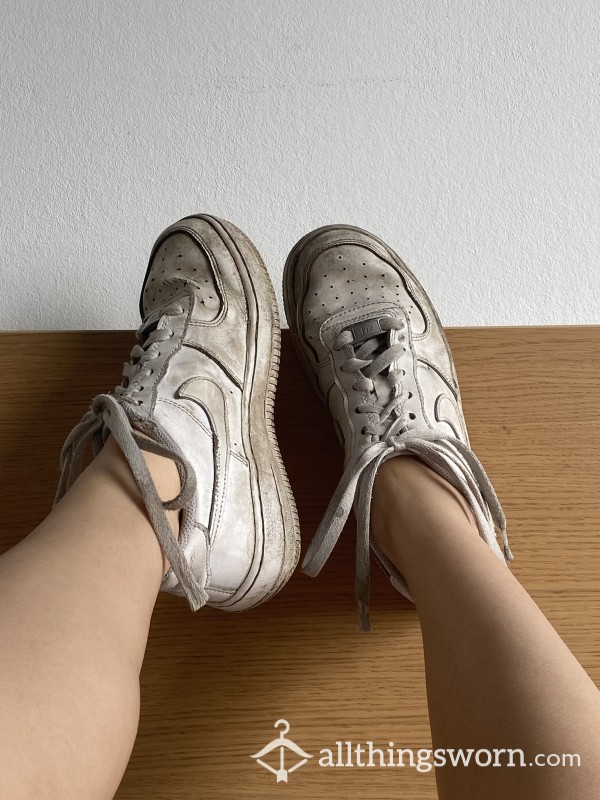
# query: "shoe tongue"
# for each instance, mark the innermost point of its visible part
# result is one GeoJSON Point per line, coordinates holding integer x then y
{"type": "Point", "coordinates": [146, 329]}
{"type": "Point", "coordinates": [368, 330]}
{"type": "Point", "coordinates": [152, 322]}
{"type": "Point", "coordinates": [381, 384]}
{"type": "Point", "coordinates": [365, 329]}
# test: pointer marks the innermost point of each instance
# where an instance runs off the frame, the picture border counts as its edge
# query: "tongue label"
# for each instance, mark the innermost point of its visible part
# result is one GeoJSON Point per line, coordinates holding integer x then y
{"type": "Point", "coordinates": [365, 330]}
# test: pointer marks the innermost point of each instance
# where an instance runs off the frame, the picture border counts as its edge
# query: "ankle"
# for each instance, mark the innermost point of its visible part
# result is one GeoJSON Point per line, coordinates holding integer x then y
{"type": "Point", "coordinates": [111, 462]}
{"type": "Point", "coordinates": [411, 503]}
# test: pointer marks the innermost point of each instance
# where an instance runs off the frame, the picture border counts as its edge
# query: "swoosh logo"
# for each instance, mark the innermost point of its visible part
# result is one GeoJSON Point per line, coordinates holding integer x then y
{"type": "Point", "coordinates": [440, 401]}
{"type": "Point", "coordinates": [211, 399]}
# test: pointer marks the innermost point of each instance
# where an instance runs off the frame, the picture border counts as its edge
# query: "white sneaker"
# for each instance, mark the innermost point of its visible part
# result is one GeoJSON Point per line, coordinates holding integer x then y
{"type": "Point", "coordinates": [374, 348]}
{"type": "Point", "coordinates": [201, 384]}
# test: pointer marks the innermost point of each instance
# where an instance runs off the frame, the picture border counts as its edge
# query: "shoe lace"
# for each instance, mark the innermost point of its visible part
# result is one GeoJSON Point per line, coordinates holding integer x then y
{"type": "Point", "coordinates": [148, 348]}
{"type": "Point", "coordinates": [373, 358]}
{"type": "Point", "coordinates": [116, 415]}
{"type": "Point", "coordinates": [390, 435]}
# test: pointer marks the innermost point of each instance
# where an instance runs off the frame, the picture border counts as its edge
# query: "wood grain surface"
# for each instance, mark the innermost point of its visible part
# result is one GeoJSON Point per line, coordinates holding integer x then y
{"type": "Point", "coordinates": [214, 684]}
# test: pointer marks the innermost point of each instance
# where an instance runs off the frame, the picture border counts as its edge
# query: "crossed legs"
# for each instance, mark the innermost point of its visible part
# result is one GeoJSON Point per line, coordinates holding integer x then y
{"type": "Point", "coordinates": [498, 675]}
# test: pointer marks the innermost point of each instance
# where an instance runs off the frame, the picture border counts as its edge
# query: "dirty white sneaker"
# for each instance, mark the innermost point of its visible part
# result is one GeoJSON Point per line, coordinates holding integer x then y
{"type": "Point", "coordinates": [201, 384]}
{"type": "Point", "coordinates": [374, 348]}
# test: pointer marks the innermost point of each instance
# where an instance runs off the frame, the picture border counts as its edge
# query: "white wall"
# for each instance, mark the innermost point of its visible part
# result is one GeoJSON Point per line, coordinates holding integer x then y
{"type": "Point", "coordinates": [466, 134]}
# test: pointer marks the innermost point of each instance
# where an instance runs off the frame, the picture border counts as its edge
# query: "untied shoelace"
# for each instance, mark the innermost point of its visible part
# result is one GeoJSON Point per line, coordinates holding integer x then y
{"type": "Point", "coordinates": [392, 435]}
{"type": "Point", "coordinates": [108, 415]}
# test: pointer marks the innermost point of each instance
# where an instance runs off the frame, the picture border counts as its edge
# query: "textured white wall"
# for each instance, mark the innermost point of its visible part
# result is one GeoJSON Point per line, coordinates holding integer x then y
{"type": "Point", "coordinates": [466, 134]}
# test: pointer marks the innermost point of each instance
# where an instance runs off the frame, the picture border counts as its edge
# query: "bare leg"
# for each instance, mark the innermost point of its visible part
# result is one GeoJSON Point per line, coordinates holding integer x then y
{"type": "Point", "coordinates": [498, 674]}
{"type": "Point", "coordinates": [76, 597]}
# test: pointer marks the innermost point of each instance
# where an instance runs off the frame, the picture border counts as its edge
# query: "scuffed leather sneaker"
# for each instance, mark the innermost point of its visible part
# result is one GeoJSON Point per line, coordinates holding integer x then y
{"type": "Point", "coordinates": [374, 349]}
{"type": "Point", "coordinates": [201, 385]}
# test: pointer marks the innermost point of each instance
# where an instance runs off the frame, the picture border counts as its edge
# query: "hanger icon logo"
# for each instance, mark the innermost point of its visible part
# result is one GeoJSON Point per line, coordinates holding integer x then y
{"type": "Point", "coordinates": [282, 744]}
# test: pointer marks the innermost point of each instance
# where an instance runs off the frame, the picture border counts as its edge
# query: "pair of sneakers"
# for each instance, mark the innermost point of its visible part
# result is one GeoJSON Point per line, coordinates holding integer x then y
{"type": "Point", "coordinates": [200, 385]}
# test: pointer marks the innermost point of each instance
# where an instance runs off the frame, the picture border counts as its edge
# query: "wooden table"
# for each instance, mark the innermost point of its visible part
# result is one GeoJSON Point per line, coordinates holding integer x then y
{"type": "Point", "coordinates": [214, 684]}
